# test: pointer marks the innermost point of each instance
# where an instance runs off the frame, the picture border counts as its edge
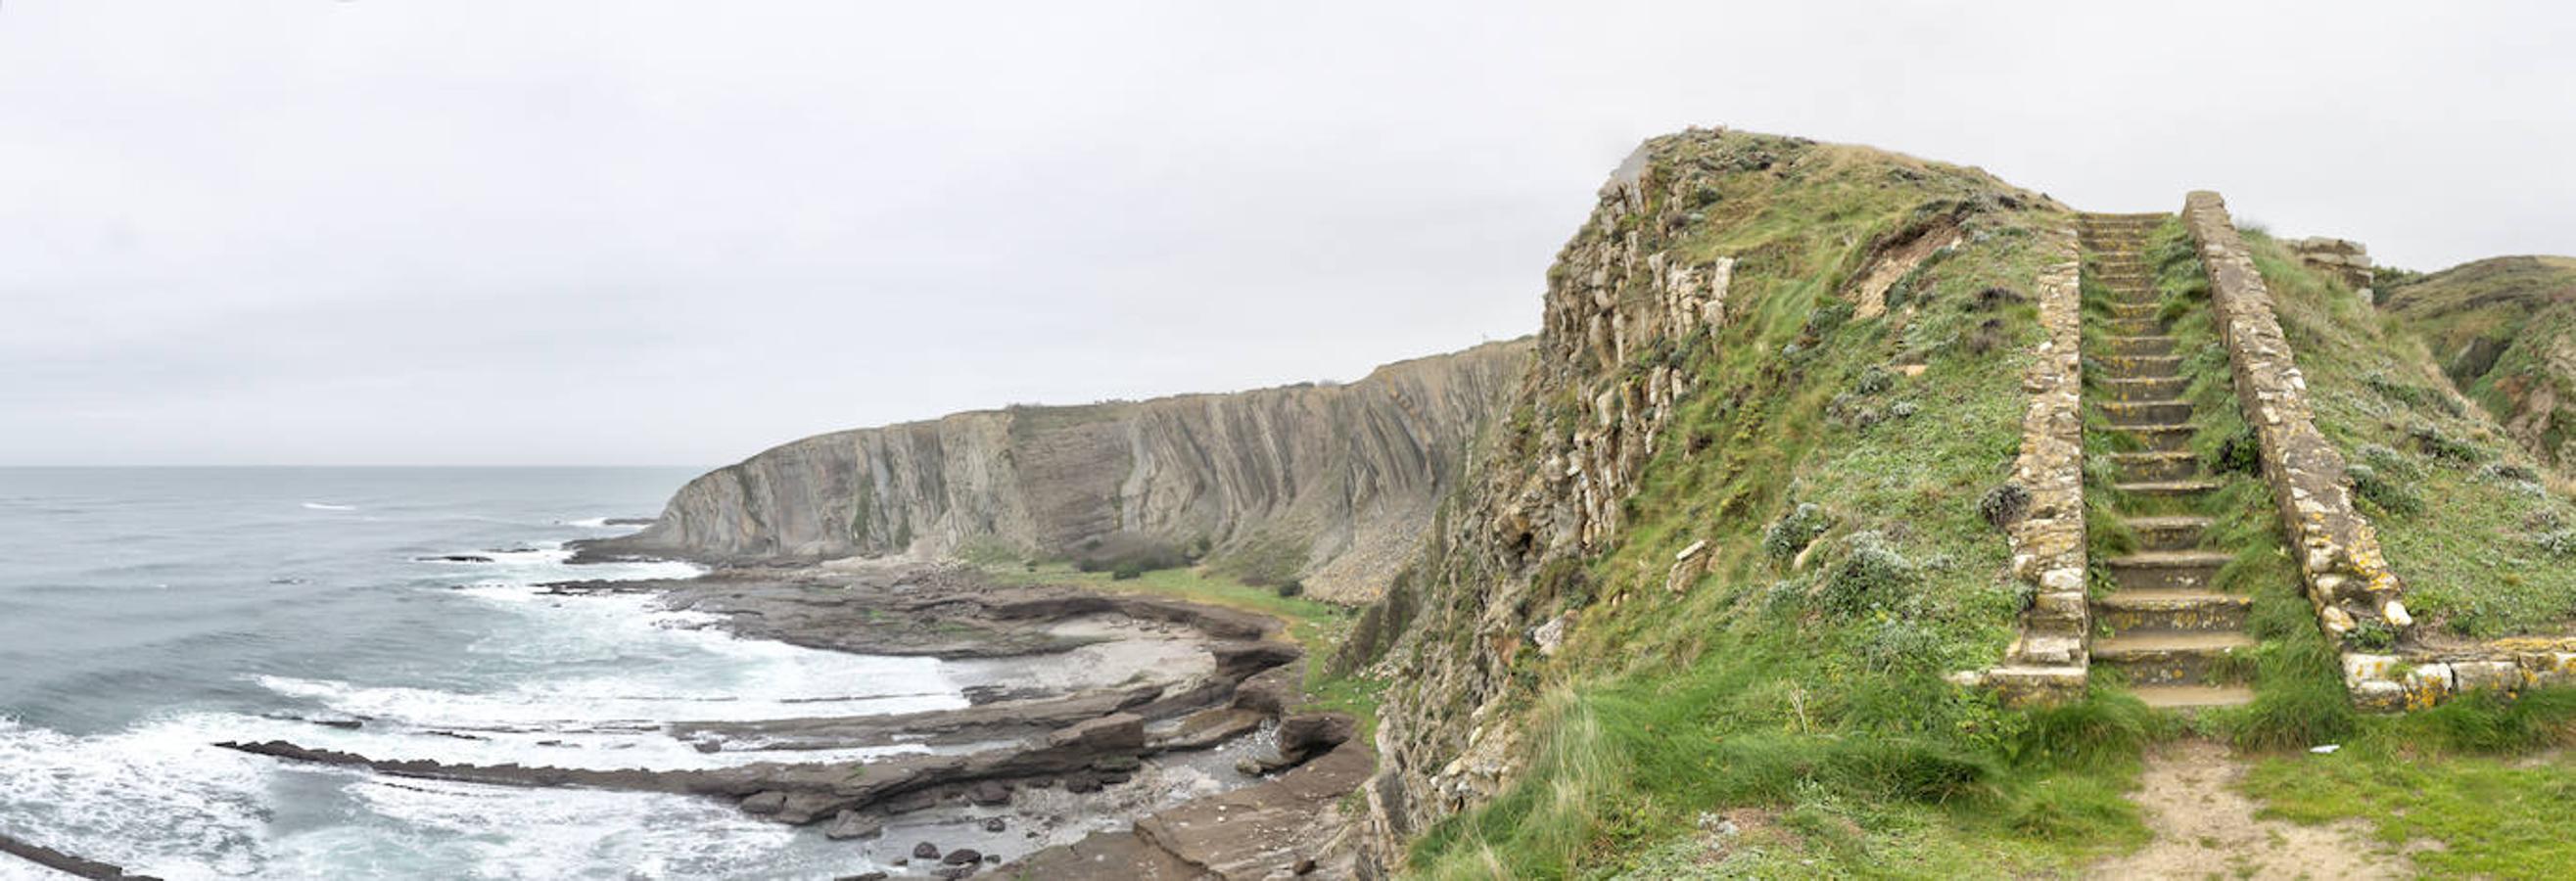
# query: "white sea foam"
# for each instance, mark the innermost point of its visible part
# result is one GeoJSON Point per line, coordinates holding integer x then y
{"type": "Point", "coordinates": [155, 798]}
{"type": "Point", "coordinates": [158, 799]}
{"type": "Point", "coordinates": [319, 506]}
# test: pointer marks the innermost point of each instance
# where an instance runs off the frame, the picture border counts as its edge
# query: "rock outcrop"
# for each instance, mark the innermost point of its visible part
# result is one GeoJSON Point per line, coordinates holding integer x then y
{"type": "Point", "coordinates": [1329, 484]}
{"type": "Point", "coordinates": [1666, 275]}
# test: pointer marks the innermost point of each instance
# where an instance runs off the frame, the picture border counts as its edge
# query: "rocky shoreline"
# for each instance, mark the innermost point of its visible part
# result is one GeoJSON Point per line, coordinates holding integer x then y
{"type": "Point", "coordinates": [1090, 712]}
{"type": "Point", "coordinates": [65, 863]}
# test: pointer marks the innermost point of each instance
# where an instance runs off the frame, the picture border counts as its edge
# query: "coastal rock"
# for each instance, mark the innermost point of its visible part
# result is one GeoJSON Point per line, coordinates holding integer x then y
{"type": "Point", "coordinates": [852, 824]}
{"type": "Point", "coordinates": [1309, 733]}
{"type": "Point", "coordinates": [1342, 477]}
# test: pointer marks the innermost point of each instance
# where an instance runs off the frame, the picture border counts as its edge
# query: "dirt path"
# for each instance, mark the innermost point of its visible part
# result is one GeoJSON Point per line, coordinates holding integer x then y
{"type": "Point", "coordinates": [2205, 828]}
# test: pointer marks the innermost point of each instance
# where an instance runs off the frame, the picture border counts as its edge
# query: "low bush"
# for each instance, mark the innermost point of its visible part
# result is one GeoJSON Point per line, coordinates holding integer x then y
{"type": "Point", "coordinates": [1785, 537]}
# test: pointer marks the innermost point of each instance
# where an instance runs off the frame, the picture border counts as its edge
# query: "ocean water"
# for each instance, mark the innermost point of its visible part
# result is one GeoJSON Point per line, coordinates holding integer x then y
{"type": "Point", "coordinates": [146, 614]}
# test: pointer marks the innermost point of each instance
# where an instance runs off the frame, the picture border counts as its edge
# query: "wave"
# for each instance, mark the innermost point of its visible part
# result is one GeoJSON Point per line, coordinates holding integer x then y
{"type": "Point", "coordinates": [158, 799]}
{"type": "Point", "coordinates": [319, 506]}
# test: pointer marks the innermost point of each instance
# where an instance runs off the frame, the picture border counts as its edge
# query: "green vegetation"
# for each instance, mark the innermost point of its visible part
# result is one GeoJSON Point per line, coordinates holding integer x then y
{"type": "Point", "coordinates": [2478, 559]}
{"type": "Point", "coordinates": [1317, 626]}
{"type": "Point", "coordinates": [2504, 331]}
{"type": "Point", "coordinates": [1835, 468]}
{"type": "Point", "coordinates": [2446, 777]}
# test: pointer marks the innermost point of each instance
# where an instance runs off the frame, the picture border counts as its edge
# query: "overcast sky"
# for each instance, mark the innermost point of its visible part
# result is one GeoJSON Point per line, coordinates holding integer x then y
{"type": "Point", "coordinates": [515, 231]}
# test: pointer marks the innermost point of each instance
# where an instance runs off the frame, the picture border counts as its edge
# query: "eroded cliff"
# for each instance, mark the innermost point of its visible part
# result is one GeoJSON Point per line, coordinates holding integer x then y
{"type": "Point", "coordinates": [1774, 380]}
{"type": "Point", "coordinates": [2504, 329]}
{"type": "Point", "coordinates": [1329, 484]}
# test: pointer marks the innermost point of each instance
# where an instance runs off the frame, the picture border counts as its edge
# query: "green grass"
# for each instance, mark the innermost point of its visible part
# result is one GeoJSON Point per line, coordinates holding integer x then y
{"type": "Point", "coordinates": [1805, 687]}
{"type": "Point", "coordinates": [2448, 777]}
{"type": "Point", "coordinates": [2504, 330]}
{"type": "Point", "coordinates": [2473, 556]}
{"type": "Point", "coordinates": [1317, 626]}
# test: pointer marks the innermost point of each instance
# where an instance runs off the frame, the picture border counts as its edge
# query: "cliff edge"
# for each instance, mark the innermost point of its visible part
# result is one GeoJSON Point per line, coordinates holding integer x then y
{"type": "Point", "coordinates": [1330, 485]}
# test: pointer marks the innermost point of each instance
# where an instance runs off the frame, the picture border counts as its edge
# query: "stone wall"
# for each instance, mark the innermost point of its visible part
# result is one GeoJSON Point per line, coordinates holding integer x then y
{"type": "Point", "coordinates": [2357, 597]}
{"type": "Point", "coordinates": [2048, 661]}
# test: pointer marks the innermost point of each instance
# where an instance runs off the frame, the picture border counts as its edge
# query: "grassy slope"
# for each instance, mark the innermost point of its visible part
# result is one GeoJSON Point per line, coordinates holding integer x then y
{"type": "Point", "coordinates": [2471, 537]}
{"type": "Point", "coordinates": [2462, 777]}
{"type": "Point", "coordinates": [1803, 691]}
{"type": "Point", "coordinates": [2504, 329]}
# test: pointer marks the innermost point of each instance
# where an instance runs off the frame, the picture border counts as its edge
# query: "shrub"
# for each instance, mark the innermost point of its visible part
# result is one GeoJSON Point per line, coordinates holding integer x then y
{"type": "Point", "coordinates": [2241, 452]}
{"type": "Point", "coordinates": [1873, 380]}
{"type": "Point", "coordinates": [1784, 538]}
{"type": "Point", "coordinates": [2389, 495]}
{"type": "Point", "coordinates": [2390, 463]}
{"type": "Point", "coordinates": [1112, 553]}
{"type": "Point", "coordinates": [1292, 587]}
{"type": "Point", "coordinates": [2557, 542]}
{"type": "Point", "coordinates": [1903, 410]}
{"type": "Point", "coordinates": [1872, 575]}
{"type": "Point", "coordinates": [2511, 472]}
{"type": "Point", "coordinates": [2004, 504]}
{"type": "Point", "coordinates": [1126, 571]}
{"type": "Point", "coordinates": [2446, 448]}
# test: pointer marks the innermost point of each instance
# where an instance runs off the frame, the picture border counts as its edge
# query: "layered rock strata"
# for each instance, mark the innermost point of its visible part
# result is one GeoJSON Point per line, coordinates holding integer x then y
{"type": "Point", "coordinates": [1329, 484]}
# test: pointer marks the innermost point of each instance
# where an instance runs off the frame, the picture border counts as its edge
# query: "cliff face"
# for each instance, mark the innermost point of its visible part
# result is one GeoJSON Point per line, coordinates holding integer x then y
{"type": "Point", "coordinates": [1748, 330]}
{"type": "Point", "coordinates": [2505, 330]}
{"type": "Point", "coordinates": [1332, 484]}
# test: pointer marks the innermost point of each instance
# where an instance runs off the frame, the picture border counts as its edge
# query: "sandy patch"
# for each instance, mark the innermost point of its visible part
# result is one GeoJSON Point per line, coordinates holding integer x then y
{"type": "Point", "coordinates": [2205, 828]}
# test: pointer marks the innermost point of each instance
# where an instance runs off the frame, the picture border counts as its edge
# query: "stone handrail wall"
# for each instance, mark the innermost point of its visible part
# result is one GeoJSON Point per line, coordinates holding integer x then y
{"type": "Point", "coordinates": [2048, 662]}
{"type": "Point", "coordinates": [2334, 546]}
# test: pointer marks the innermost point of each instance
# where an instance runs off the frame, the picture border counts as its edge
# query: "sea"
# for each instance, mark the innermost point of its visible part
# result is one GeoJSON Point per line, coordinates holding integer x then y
{"type": "Point", "coordinates": [147, 614]}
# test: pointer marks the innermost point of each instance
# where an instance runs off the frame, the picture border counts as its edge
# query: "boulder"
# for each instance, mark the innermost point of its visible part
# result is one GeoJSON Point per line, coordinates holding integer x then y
{"type": "Point", "coordinates": [852, 824]}
{"type": "Point", "coordinates": [1306, 734]}
{"type": "Point", "coordinates": [765, 803]}
{"type": "Point", "coordinates": [1113, 733]}
{"type": "Point", "coordinates": [1236, 661]}
{"type": "Point", "coordinates": [925, 851]}
{"type": "Point", "coordinates": [1272, 691]}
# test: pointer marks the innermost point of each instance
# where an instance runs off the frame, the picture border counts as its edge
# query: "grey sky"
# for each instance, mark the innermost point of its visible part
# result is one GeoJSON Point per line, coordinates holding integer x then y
{"type": "Point", "coordinates": [458, 231]}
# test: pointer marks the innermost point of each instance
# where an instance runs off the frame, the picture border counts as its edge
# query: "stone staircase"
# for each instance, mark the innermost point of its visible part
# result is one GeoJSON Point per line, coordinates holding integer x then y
{"type": "Point", "coordinates": [2163, 626]}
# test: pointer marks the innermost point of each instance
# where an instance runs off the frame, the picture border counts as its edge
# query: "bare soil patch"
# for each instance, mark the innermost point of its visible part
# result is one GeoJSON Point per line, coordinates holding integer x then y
{"type": "Point", "coordinates": [2206, 827]}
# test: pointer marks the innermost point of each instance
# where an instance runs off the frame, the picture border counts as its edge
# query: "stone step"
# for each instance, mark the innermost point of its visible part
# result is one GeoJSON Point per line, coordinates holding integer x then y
{"type": "Point", "coordinates": [2138, 345]}
{"type": "Point", "coordinates": [2160, 388]}
{"type": "Point", "coordinates": [2042, 649]}
{"type": "Point", "coordinates": [2167, 533]}
{"type": "Point", "coordinates": [2027, 684]}
{"type": "Point", "coordinates": [2144, 366]}
{"type": "Point", "coordinates": [2136, 310]}
{"type": "Point", "coordinates": [2147, 412]}
{"type": "Point", "coordinates": [2167, 489]}
{"type": "Point", "coordinates": [2193, 697]}
{"type": "Point", "coordinates": [2158, 438]}
{"type": "Point", "coordinates": [2169, 658]}
{"type": "Point", "coordinates": [2165, 570]}
{"type": "Point", "coordinates": [2170, 610]}
{"type": "Point", "coordinates": [2156, 466]}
